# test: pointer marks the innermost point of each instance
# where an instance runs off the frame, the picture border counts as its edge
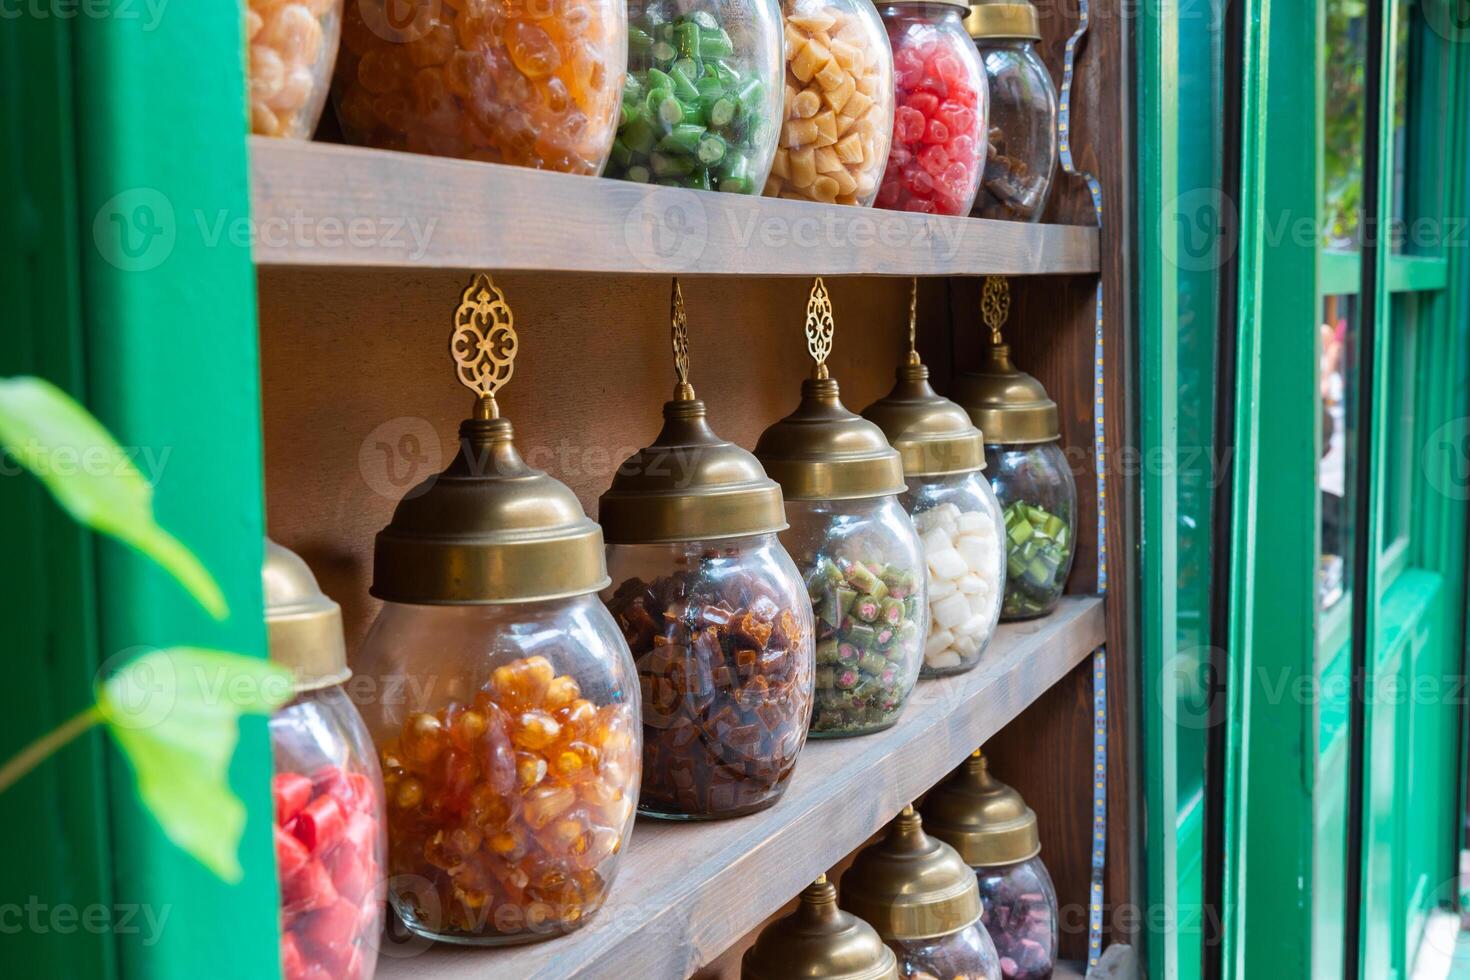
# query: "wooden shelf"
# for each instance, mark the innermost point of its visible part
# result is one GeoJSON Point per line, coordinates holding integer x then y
{"type": "Point", "coordinates": [686, 892]}
{"type": "Point", "coordinates": [319, 204]}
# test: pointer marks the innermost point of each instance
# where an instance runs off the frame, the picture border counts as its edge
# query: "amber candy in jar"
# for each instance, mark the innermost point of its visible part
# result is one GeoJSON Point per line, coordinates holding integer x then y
{"type": "Point", "coordinates": [1022, 155]}
{"type": "Point", "coordinates": [535, 83]}
{"type": "Point", "coordinates": [837, 109]}
{"type": "Point", "coordinates": [506, 704]}
{"type": "Point", "coordinates": [292, 46]}
{"type": "Point", "coordinates": [326, 788]}
{"type": "Point", "coordinates": [713, 609]}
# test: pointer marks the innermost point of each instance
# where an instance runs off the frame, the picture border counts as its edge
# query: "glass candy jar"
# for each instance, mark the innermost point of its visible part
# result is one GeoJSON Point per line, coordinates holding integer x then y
{"type": "Point", "coordinates": [327, 789]}
{"type": "Point", "coordinates": [855, 545]}
{"type": "Point", "coordinates": [292, 47]}
{"type": "Point", "coordinates": [819, 941]}
{"type": "Point", "coordinates": [714, 611]}
{"type": "Point", "coordinates": [534, 84]}
{"type": "Point", "coordinates": [701, 104]}
{"type": "Point", "coordinates": [837, 108]}
{"type": "Point", "coordinates": [954, 510]}
{"type": "Point", "coordinates": [995, 832]}
{"type": "Point", "coordinates": [924, 902]}
{"type": "Point", "coordinates": [1028, 470]}
{"type": "Point", "coordinates": [940, 118]}
{"type": "Point", "coordinates": [507, 706]}
{"type": "Point", "coordinates": [1022, 155]}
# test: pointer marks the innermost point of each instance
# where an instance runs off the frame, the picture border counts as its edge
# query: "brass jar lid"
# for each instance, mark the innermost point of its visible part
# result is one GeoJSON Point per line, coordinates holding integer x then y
{"type": "Point", "coordinates": [822, 451]}
{"type": "Point", "coordinates": [932, 434]}
{"type": "Point", "coordinates": [981, 817]}
{"type": "Point", "coordinates": [1008, 405]}
{"type": "Point", "coordinates": [690, 485]}
{"type": "Point", "coordinates": [819, 941]}
{"type": "Point", "coordinates": [303, 626]}
{"type": "Point", "coordinates": [489, 529]}
{"type": "Point", "coordinates": [1000, 19]}
{"type": "Point", "coordinates": [910, 885]}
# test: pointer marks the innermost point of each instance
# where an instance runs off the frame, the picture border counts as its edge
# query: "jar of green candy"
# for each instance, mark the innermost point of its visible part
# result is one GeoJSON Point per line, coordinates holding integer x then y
{"type": "Point", "coordinates": [1031, 478]}
{"type": "Point", "coordinates": [702, 98]}
{"type": "Point", "coordinates": [855, 546]}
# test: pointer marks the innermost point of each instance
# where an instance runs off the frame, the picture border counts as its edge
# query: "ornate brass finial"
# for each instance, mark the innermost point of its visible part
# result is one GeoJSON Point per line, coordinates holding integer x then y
{"type": "Point", "coordinates": [484, 343]}
{"type": "Point", "coordinates": [913, 357]}
{"type": "Point", "coordinates": [819, 326]}
{"type": "Point", "coordinates": [679, 331]}
{"type": "Point", "coordinates": [995, 305]}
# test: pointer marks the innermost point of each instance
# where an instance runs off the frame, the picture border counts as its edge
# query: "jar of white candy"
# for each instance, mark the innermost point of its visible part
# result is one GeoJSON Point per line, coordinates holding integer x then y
{"type": "Point", "coordinates": [954, 510]}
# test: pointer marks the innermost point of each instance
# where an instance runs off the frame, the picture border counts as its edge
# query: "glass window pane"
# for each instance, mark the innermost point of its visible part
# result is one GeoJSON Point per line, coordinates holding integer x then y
{"type": "Point", "coordinates": [1399, 213]}
{"type": "Point", "coordinates": [1336, 464]}
{"type": "Point", "coordinates": [1342, 159]}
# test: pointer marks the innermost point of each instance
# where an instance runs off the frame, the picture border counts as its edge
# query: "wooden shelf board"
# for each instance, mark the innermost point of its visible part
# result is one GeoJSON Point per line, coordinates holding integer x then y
{"type": "Point", "coordinates": [320, 204]}
{"type": "Point", "coordinates": [686, 892]}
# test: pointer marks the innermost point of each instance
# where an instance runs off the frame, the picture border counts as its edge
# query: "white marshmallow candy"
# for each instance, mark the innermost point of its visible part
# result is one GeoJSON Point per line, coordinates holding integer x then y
{"type": "Point", "coordinates": [947, 564]}
{"type": "Point", "coordinates": [950, 611]}
{"type": "Point", "coordinates": [938, 642]}
{"type": "Point", "coordinates": [962, 550]}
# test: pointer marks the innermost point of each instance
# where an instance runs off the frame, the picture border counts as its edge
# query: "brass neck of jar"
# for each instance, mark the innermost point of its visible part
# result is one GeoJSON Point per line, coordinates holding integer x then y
{"type": "Point", "coordinates": [487, 448]}
{"type": "Point", "coordinates": [819, 903]}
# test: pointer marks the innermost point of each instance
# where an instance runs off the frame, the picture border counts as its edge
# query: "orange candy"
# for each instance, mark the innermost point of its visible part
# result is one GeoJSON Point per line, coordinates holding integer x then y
{"type": "Point", "coordinates": [534, 83]}
{"type": "Point", "coordinates": [512, 806]}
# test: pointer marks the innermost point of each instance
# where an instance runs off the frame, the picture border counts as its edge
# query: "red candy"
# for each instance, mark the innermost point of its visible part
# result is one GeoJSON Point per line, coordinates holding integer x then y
{"type": "Point", "coordinates": [291, 791]}
{"type": "Point", "coordinates": [320, 824]}
{"type": "Point", "coordinates": [938, 154]}
{"type": "Point", "coordinates": [326, 837]}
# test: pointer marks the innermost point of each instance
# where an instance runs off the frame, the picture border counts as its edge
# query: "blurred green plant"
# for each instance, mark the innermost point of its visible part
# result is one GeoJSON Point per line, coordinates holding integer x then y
{"type": "Point", "coordinates": [174, 713]}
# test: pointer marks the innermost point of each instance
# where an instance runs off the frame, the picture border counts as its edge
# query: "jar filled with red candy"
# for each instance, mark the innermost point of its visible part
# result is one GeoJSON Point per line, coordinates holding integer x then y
{"type": "Point", "coordinates": [941, 117]}
{"type": "Point", "coordinates": [506, 707]}
{"type": "Point", "coordinates": [535, 83]}
{"type": "Point", "coordinates": [995, 832]}
{"type": "Point", "coordinates": [714, 612]}
{"type": "Point", "coordinates": [327, 789]}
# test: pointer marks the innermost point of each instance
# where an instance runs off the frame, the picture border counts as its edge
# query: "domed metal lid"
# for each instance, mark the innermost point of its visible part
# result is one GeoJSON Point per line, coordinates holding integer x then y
{"type": "Point", "coordinates": [1009, 405]}
{"type": "Point", "coordinates": [303, 626]}
{"type": "Point", "coordinates": [932, 434]}
{"type": "Point", "coordinates": [819, 941]}
{"type": "Point", "coordinates": [489, 529]}
{"type": "Point", "coordinates": [1003, 19]}
{"type": "Point", "coordinates": [981, 817]}
{"type": "Point", "coordinates": [690, 484]}
{"type": "Point", "coordinates": [822, 451]}
{"type": "Point", "coordinates": [910, 885]}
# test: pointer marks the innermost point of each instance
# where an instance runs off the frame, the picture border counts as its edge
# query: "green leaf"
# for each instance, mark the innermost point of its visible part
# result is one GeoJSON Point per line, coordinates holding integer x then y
{"type": "Point", "coordinates": [174, 713]}
{"type": "Point", "coordinates": [94, 479]}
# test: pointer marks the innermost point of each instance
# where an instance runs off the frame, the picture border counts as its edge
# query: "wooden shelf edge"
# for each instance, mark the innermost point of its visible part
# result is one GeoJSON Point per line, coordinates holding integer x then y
{"type": "Point", "coordinates": [686, 892]}
{"type": "Point", "coordinates": [322, 204]}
